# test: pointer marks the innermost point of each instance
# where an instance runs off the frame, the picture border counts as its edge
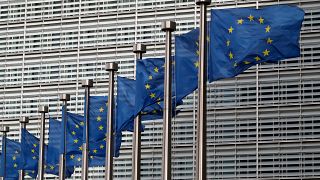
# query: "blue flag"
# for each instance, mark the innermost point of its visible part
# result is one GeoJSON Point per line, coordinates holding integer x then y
{"type": "Point", "coordinates": [149, 83]}
{"type": "Point", "coordinates": [55, 141]}
{"type": "Point", "coordinates": [98, 127]}
{"type": "Point", "coordinates": [13, 161]}
{"type": "Point", "coordinates": [187, 63]}
{"type": "Point", "coordinates": [75, 126]}
{"type": "Point", "coordinates": [30, 154]}
{"type": "Point", "coordinates": [243, 37]}
{"type": "Point", "coordinates": [126, 95]}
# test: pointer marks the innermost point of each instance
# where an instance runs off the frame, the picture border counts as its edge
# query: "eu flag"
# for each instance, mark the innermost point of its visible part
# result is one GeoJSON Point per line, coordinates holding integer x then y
{"type": "Point", "coordinates": [12, 159]}
{"type": "Point", "coordinates": [55, 141]}
{"type": "Point", "coordinates": [30, 154]}
{"type": "Point", "coordinates": [243, 37]}
{"type": "Point", "coordinates": [187, 63]}
{"type": "Point", "coordinates": [149, 82]}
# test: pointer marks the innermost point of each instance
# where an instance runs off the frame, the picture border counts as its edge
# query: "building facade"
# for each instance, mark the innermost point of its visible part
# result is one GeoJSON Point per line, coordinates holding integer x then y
{"type": "Point", "coordinates": [263, 124]}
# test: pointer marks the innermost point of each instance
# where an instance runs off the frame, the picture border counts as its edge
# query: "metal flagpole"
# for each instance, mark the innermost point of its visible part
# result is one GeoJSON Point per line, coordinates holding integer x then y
{"type": "Point", "coordinates": [202, 97]}
{"type": "Point", "coordinates": [168, 27]}
{"type": "Point", "coordinates": [85, 153]}
{"type": "Point", "coordinates": [138, 49]}
{"type": "Point", "coordinates": [62, 165]}
{"type": "Point", "coordinates": [43, 110]}
{"type": "Point", "coordinates": [4, 130]}
{"type": "Point", "coordinates": [23, 124]}
{"type": "Point", "coordinates": [112, 68]}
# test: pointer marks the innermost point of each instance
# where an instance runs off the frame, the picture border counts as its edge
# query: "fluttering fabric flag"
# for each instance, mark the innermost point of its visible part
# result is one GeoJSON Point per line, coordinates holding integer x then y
{"type": "Point", "coordinates": [98, 127]}
{"type": "Point", "coordinates": [75, 126]}
{"type": "Point", "coordinates": [55, 140]}
{"type": "Point", "coordinates": [186, 63]}
{"type": "Point", "coordinates": [149, 83]}
{"type": "Point", "coordinates": [243, 37]}
{"type": "Point", "coordinates": [13, 159]}
{"type": "Point", "coordinates": [30, 154]}
{"type": "Point", "coordinates": [126, 94]}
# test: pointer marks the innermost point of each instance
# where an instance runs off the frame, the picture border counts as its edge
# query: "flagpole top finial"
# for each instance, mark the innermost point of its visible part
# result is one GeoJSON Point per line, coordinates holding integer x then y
{"type": "Point", "coordinates": [43, 109]}
{"type": "Point", "coordinates": [24, 120]}
{"type": "Point", "coordinates": [64, 97]}
{"type": "Point", "coordinates": [112, 66]}
{"type": "Point", "coordinates": [139, 48]}
{"type": "Point", "coordinates": [87, 83]}
{"type": "Point", "coordinates": [4, 129]}
{"type": "Point", "coordinates": [205, 2]}
{"type": "Point", "coordinates": [168, 26]}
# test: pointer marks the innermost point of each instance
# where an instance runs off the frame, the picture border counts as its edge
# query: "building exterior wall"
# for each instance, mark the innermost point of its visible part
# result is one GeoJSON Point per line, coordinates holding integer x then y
{"type": "Point", "coordinates": [263, 124]}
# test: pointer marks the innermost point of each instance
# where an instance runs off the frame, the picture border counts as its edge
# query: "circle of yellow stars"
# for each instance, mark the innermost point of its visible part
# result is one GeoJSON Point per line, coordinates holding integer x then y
{"type": "Point", "coordinates": [241, 21]}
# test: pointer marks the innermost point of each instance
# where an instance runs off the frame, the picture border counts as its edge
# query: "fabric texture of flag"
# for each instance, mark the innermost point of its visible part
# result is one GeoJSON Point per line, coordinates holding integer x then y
{"type": "Point", "coordinates": [12, 159]}
{"type": "Point", "coordinates": [149, 82]}
{"type": "Point", "coordinates": [30, 154]}
{"type": "Point", "coordinates": [186, 63]}
{"type": "Point", "coordinates": [126, 95]}
{"type": "Point", "coordinates": [55, 141]}
{"type": "Point", "coordinates": [243, 37]}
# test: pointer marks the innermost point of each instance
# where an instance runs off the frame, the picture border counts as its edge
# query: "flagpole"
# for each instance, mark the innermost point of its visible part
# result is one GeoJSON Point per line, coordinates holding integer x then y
{"type": "Point", "coordinates": [62, 165]}
{"type": "Point", "coordinates": [87, 84]}
{"type": "Point", "coordinates": [138, 49]}
{"type": "Point", "coordinates": [111, 68]}
{"type": "Point", "coordinates": [4, 130]}
{"type": "Point", "coordinates": [201, 169]}
{"type": "Point", "coordinates": [23, 124]}
{"type": "Point", "coordinates": [168, 27]}
{"type": "Point", "coordinates": [43, 110]}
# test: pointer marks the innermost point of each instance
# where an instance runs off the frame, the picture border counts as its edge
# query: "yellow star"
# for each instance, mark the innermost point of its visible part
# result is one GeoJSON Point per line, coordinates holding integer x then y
{"type": "Point", "coordinates": [100, 128]}
{"type": "Point", "coordinates": [152, 95]}
{"type": "Point", "coordinates": [72, 156]}
{"type": "Point", "coordinates": [75, 141]}
{"type": "Point", "coordinates": [147, 86]}
{"type": "Point", "coordinates": [80, 148]}
{"type": "Point", "coordinates": [196, 64]}
{"type": "Point", "coordinates": [266, 52]}
{"type": "Point", "coordinates": [15, 165]}
{"type": "Point", "coordinates": [34, 145]}
{"type": "Point", "coordinates": [230, 29]}
{"type": "Point", "coordinates": [73, 133]}
{"type": "Point", "coordinates": [235, 64]}
{"type": "Point", "coordinates": [101, 146]}
{"type": "Point", "coordinates": [77, 126]}
{"type": "Point", "coordinates": [197, 43]}
{"type": "Point", "coordinates": [159, 101]}
{"type": "Point", "coordinates": [154, 111]}
{"type": "Point", "coordinates": [251, 17]}
{"type": "Point", "coordinates": [240, 21]}
{"type": "Point", "coordinates": [81, 123]}
{"type": "Point", "coordinates": [156, 69]}
{"type": "Point", "coordinates": [269, 41]}
{"type": "Point", "coordinates": [91, 157]}
{"type": "Point", "coordinates": [268, 28]}
{"type": "Point", "coordinates": [198, 53]}
{"type": "Point", "coordinates": [45, 166]}
{"type": "Point", "coordinates": [79, 159]}
{"type": "Point", "coordinates": [228, 43]}
{"type": "Point", "coordinates": [34, 157]}
{"type": "Point", "coordinates": [52, 167]}
{"type": "Point", "coordinates": [32, 150]}
{"type": "Point", "coordinates": [150, 77]}
{"type": "Point", "coordinates": [257, 58]}
{"type": "Point", "coordinates": [261, 20]}
{"type": "Point", "coordinates": [95, 151]}
{"type": "Point", "coordinates": [230, 55]}
{"type": "Point", "coordinates": [246, 62]}
{"type": "Point", "coordinates": [98, 118]}
{"type": "Point", "coordinates": [101, 109]}
{"type": "Point", "coordinates": [14, 158]}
